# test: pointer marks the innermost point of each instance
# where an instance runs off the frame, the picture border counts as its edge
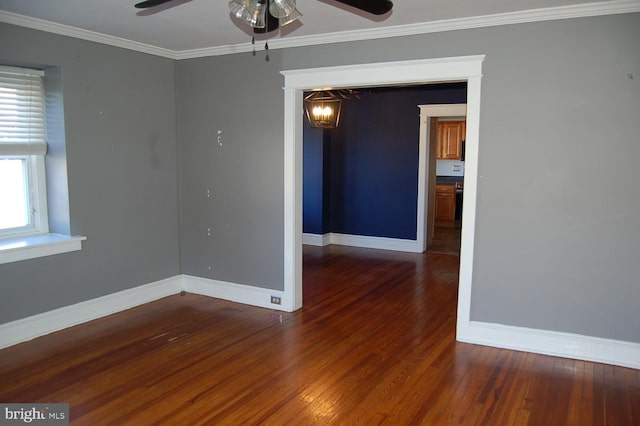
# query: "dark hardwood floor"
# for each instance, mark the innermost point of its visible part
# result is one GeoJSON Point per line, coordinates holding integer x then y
{"type": "Point", "coordinates": [374, 344]}
{"type": "Point", "coordinates": [446, 241]}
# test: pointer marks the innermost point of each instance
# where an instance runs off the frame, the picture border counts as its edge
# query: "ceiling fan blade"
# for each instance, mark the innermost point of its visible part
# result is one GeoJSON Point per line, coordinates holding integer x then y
{"type": "Point", "coordinates": [375, 7]}
{"type": "Point", "coordinates": [151, 3]}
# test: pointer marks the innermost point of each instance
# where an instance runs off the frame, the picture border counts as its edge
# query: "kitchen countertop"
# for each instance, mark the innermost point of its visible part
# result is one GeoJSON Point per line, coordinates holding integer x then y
{"type": "Point", "coordinates": [449, 180]}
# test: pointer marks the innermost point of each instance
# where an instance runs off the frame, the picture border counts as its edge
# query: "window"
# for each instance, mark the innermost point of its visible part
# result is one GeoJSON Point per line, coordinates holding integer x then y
{"type": "Point", "coordinates": [23, 203]}
{"type": "Point", "coordinates": [24, 223]}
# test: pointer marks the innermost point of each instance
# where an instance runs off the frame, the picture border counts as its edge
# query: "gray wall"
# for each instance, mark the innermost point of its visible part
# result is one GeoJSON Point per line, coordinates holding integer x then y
{"type": "Point", "coordinates": [241, 96]}
{"type": "Point", "coordinates": [558, 215]}
{"type": "Point", "coordinates": [119, 117]}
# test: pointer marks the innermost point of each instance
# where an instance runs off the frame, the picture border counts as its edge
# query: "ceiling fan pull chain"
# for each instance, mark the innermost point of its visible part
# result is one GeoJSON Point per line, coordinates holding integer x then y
{"type": "Point", "coordinates": [253, 42]}
{"type": "Point", "coordinates": [266, 48]}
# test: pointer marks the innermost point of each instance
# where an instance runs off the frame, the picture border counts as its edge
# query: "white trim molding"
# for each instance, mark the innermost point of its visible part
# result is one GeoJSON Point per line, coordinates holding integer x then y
{"type": "Point", "coordinates": [567, 345]}
{"type": "Point", "coordinates": [554, 343]}
{"type": "Point", "coordinates": [29, 328]}
{"type": "Point", "coordinates": [419, 71]}
{"type": "Point", "coordinates": [82, 34]}
{"type": "Point", "coordinates": [239, 293]}
{"type": "Point", "coordinates": [365, 241]}
{"type": "Point", "coordinates": [25, 329]}
{"type": "Point", "coordinates": [319, 240]}
{"type": "Point", "coordinates": [426, 168]}
{"type": "Point", "coordinates": [425, 71]}
{"type": "Point", "coordinates": [613, 7]}
{"type": "Point", "coordinates": [33, 246]}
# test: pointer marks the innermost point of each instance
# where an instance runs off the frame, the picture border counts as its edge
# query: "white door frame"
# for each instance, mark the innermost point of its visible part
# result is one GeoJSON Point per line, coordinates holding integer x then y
{"type": "Point", "coordinates": [467, 68]}
{"type": "Point", "coordinates": [424, 164]}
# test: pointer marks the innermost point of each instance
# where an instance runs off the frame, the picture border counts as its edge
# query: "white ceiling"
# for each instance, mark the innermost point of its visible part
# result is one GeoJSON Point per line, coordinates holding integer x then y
{"type": "Point", "coordinates": [186, 25]}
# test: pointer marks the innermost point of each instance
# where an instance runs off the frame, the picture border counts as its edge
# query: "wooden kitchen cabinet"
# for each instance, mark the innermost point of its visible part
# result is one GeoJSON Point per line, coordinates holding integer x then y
{"type": "Point", "coordinates": [450, 137]}
{"type": "Point", "coordinates": [445, 205]}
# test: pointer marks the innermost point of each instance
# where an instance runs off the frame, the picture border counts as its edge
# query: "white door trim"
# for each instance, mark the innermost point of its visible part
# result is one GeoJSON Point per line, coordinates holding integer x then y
{"type": "Point", "coordinates": [467, 68]}
{"type": "Point", "coordinates": [426, 113]}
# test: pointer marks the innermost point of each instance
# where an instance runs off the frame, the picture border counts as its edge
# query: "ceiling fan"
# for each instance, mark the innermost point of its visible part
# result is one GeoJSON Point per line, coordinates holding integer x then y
{"type": "Point", "coordinates": [267, 15]}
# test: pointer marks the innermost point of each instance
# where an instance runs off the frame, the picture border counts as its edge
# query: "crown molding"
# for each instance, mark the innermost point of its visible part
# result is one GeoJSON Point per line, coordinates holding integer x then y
{"type": "Point", "coordinates": [612, 7]}
{"type": "Point", "coordinates": [67, 30]}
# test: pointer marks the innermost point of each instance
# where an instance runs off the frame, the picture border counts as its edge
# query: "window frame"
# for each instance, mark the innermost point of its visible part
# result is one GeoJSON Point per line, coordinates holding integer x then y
{"type": "Point", "coordinates": [36, 180]}
{"type": "Point", "coordinates": [37, 198]}
{"type": "Point", "coordinates": [34, 240]}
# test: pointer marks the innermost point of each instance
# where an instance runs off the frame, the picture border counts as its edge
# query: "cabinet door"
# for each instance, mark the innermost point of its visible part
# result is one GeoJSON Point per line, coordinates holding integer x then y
{"type": "Point", "coordinates": [450, 137]}
{"type": "Point", "coordinates": [445, 205]}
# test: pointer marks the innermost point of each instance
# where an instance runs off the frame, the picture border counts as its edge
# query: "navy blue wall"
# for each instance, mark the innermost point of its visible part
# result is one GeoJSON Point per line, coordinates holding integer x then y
{"type": "Point", "coordinates": [362, 178]}
{"type": "Point", "coordinates": [312, 177]}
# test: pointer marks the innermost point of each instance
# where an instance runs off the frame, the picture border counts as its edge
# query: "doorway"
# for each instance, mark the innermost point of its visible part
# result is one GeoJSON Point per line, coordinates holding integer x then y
{"type": "Point", "coordinates": [459, 69]}
{"type": "Point", "coordinates": [427, 175]}
{"type": "Point", "coordinates": [437, 239]}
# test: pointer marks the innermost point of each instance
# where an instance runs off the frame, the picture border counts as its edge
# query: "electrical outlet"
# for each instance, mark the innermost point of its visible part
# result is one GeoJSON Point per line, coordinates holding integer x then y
{"type": "Point", "coordinates": [276, 300]}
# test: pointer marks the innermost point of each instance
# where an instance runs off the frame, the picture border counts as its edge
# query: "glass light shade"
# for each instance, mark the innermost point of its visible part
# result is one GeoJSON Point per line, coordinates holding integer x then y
{"type": "Point", "coordinates": [282, 8]}
{"type": "Point", "coordinates": [238, 8]}
{"type": "Point", "coordinates": [289, 19]}
{"type": "Point", "coordinates": [251, 12]}
{"type": "Point", "coordinates": [264, 15]}
{"type": "Point", "coordinates": [322, 111]}
{"type": "Point", "coordinates": [255, 12]}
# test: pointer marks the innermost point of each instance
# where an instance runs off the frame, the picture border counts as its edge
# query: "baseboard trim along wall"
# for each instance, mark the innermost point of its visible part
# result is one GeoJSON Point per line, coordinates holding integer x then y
{"type": "Point", "coordinates": [319, 240]}
{"type": "Point", "coordinates": [29, 328]}
{"type": "Point", "coordinates": [25, 329]}
{"type": "Point", "coordinates": [246, 294]}
{"type": "Point", "coordinates": [566, 345]}
{"type": "Point", "coordinates": [554, 343]}
{"type": "Point", "coordinates": [382, 243]}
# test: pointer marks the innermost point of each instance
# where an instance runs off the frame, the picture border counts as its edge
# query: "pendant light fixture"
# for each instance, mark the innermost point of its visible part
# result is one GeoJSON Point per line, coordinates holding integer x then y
{"type": "Point", "coordinates": [322, 109]}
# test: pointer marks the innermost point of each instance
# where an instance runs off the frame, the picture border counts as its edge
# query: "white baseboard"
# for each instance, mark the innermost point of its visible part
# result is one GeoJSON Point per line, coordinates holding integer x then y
{"type": "Point", "coordinates": [382, 243]}
{"type": "Point", "coordinates": [25, 329]}
{"type": "Point", "coordinates": [566, 345]}
{"type": "Point", "coordinates": [29, 328]}
{"type": "Point", "coordinates": [319, 240]}
{"type": "Point", "coordinates": [248, 295]}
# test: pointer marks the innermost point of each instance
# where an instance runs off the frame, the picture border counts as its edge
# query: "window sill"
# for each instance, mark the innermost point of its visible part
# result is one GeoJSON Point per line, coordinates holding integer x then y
{"type": "Point", "coordinates": [31, 247]}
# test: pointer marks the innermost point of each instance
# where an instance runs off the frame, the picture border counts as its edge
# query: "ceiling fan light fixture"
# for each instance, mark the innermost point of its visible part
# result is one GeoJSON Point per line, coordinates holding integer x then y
{"type": "Point", "coordinates": [239, 9]}
{"type": "Point", "coordinates": [282, 8]}
{"type": "Point", "coordinates": [251, 12]}
{"type": "Point", "coordinates": [268, 15]}
{"type": "Point", "coordinates": [290, 18]}
{"type": "Point", "coordinates": [257, 13]}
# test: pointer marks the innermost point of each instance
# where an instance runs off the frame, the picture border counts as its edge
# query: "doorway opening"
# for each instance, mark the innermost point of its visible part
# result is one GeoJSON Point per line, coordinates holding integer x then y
{"type": "Point", "coordinates": [361, 178]}
{"type": "Point", "coordinates": [458, 69]}
{"type": "Point", "coordinates": [444, 180]}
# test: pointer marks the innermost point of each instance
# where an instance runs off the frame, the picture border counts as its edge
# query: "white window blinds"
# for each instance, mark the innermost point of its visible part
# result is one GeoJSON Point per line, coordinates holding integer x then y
{"type": "Point", "coordinates": [22, 114]}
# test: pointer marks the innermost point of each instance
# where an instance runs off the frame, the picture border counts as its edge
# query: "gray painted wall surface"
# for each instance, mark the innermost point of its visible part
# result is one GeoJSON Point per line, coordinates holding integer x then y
{"type": "Point", "coordinates": [241, 96]}
{"type": "Point", "coordinates": [558, 221]}
{"type": "Point", "coordinates": [122, 173]}
{"type": "Point", "coordinates": [558, 215]}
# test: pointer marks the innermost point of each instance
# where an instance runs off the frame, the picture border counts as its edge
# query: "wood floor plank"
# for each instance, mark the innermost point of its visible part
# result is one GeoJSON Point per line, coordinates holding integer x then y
{"type": "Point", "coordinates": [374, 344]}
